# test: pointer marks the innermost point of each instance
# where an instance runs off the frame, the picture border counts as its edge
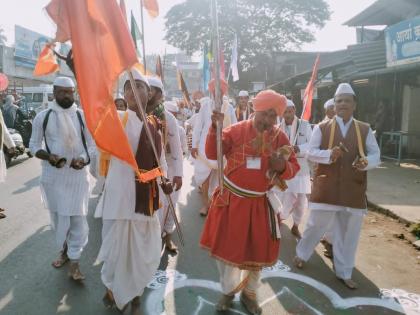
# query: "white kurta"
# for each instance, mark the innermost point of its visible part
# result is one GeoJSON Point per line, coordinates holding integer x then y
{"type": "Point", "coordinates": [65, 191]}
{"type": "Point", "coordinates": [294, 199]}
{"type": "Point", "coordinates": [346, 222]}
{"type": "Point", "coordinates": [202, 165]}
{"type": "Point", "coordinates": [131, 242]}
{"type": "Point", "coordinates": [7, 140]}
{"type": "Point", "coordinates": [174, 159]}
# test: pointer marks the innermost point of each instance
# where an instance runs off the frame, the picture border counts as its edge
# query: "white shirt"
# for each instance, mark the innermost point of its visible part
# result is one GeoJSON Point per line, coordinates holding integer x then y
{"type": "Point", "coordinates": [64, 190]}
{"type": "Point", "coordinates": [315, 154]}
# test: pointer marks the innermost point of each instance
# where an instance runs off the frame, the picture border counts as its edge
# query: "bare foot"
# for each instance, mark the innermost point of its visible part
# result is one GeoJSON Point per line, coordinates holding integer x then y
{"type": "Point", "coordinates": [2, 215]}
{"type": "Point", "coordinates": [298, 262]}
{"type": "Point", "coordinates": [349, 283]}
{"type": "Point", "coordinates": [204, 211]}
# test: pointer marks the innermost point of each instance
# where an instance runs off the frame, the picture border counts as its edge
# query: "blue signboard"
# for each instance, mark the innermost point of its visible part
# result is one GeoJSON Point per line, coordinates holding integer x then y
{"type": "Point", "coordinates": [403, 42]}
{"type": "Point", "coordinates": [28, 46]}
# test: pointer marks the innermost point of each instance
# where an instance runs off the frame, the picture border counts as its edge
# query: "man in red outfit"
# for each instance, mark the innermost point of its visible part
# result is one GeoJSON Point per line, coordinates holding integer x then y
{"type": "Point", "coordinates": [241, 228]}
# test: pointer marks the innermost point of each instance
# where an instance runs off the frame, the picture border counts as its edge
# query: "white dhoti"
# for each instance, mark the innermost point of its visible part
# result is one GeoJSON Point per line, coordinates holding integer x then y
{"type": "Point", "coordinates": [346, 225]}
{"type": "Point", "coordinates": [70, 230]}
{"type": "Point", "coordinates": [295, 204]}
{"type": "Point", "coordinates": [131, 254]}
{"type": "Point", "coordinates": [234, 280]}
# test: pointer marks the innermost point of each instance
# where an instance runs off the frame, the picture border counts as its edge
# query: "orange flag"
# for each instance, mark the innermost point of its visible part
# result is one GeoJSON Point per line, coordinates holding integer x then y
{"type": "Point", "coordinates": [47, 62]}
{"type": "Point", "coordinates": [309, 92]}
{"type": "Point", "coordinates": [159, 68]}
{"type": "Point", "coordinates": [183, 87]}
{"type": "Point", "coordinates": [152, 7]}
{"type": "Point", "coordinates": [102, 50]}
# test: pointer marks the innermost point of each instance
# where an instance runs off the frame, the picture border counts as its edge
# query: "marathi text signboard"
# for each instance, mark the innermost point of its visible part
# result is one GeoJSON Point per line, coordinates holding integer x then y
{"type": "Point", "coordinates": [403, 42]}
{"type": "Point", "coordinates": [28, 46]}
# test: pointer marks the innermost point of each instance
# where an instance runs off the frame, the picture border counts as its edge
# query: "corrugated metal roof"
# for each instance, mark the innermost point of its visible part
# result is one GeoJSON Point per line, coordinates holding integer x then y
{"type": "Point", "coordinates": [386, 12]}
{"type": "Point", "coordinates": [368, 56]}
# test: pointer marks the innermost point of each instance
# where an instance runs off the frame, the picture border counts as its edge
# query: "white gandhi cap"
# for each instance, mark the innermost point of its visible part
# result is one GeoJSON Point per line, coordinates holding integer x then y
{"type": "Point", "coordinates": [290, 103]}
{"type": "Point", "coordinates": [156, 82]}
{"type": "Point", "coordinates": [64, 82]}
{"type": "Point", "coordinates": [243, 93]}
{"type": "Point", "coordinates": [137, 76]}
{"type": "Point", "coordinates": [329, 103]}
{"type": "Point", "coordinates": [344, 88]}
{"type": "Point", "coordinates": [171, 106]}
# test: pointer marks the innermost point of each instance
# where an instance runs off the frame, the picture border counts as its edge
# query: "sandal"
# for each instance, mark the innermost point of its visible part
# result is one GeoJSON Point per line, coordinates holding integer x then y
{"type": "Point", "coordinates": [1, 210]}
{"type": "Point", "coordinates": [169, 244]}
{"type": "Point", "coordinates": [108, 299]}
{"type": "Point", "coordinates": [250, 304]}
{"type": "Point", "coordinates": [60, 262]}
{"type": "Point", "coordinates": [75, 273]}
{"type": "Point", "coordinates": [224, 303]}
{"type": "Point", "coordinates": [2, 215]}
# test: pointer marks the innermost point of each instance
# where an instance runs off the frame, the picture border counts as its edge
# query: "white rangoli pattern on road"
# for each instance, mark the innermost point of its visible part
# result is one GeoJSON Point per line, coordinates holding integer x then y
{"type": "Point", "coordinates": [164, 283]}
{"type": "Point", "coordinates": [410, 302]}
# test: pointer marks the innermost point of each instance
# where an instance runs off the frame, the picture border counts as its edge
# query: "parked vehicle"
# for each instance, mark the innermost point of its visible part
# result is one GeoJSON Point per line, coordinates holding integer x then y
{"type": "Point", "coordinates": [37, 97]}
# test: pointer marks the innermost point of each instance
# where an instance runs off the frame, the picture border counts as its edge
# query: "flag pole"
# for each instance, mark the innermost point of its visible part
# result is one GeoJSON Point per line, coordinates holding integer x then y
{"type": "Point", "coordinates": [152, 143]}
{"type": "Point", "coordinates": [142, 36]}
{"type": "Point", "coordinates": [217, 95]}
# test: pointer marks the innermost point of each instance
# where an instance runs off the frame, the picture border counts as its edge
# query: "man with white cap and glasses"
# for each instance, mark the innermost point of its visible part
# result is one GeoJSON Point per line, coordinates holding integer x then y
{"type": "Point", "coordinates": [173, 153]}
{"type": "Point", "coordinates": [131, 235]}
{"type": "Point", "coordinates": [61, 140]}
{"type": "Point", "coordinates": [295, 199]}
{"type": "Point", "coordinates": [242, 110]}
{"type": "Point", "coordinates": [344, 149]}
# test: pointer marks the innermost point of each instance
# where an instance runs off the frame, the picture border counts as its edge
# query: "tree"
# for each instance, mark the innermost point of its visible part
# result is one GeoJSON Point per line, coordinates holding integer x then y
{"type": "Point", "coordinates": [263, 27]}
{"type": "Point", "coordinates": [3, 37]}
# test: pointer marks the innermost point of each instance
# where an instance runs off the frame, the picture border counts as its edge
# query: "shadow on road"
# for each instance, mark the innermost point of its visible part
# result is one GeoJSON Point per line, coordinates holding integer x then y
{"type": "Point", "coordinates": [34, 182]}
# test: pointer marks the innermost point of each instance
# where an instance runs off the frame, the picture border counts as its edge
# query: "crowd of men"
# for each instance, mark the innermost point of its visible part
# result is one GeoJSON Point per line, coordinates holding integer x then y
{"type": "Point", "coordinates": [270, 157]}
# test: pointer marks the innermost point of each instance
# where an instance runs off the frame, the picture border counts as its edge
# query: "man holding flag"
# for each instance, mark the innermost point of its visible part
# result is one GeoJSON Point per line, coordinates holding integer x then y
{"type": "Point", "coordinates": [131, 235]}
{"type": "Point", "coordinates": [241, 231]}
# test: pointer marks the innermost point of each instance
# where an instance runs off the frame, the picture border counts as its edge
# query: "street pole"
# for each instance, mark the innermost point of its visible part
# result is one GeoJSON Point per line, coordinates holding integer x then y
{"type": "Point", "coordinates": [217, 94]}
{"type": "Point", "coordinates": [142, 36]}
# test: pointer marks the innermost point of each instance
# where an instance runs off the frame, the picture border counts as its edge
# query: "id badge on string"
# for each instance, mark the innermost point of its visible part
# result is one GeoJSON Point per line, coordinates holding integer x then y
{"type": "Point", "coordinates": [253, 163]}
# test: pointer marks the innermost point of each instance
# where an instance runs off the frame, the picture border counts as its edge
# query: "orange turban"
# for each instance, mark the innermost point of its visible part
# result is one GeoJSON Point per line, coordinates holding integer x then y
{"type": "Point", "coordinates": [270, 99]}
{"type": "Point", "coordinates": [223, 86]}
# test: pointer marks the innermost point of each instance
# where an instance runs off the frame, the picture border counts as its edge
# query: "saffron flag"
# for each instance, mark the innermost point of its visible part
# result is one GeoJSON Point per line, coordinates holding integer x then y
{"type": "Point", "coordinates": [159, 68]}
{"type": "Point", "coordinates": [123, 10]}
{"type": "Point", "coordinates": [102, 50]}
{"type": "Point", "coordinates": [309, 92]}
{"type": "Point", "coordinates": [135, 32]}
{"type": "Point", "coordinates": [234, 60]}
{"type": "Point", "coordinates": [47, 62]}
{"type": "Point", "coordinates": [183, 87]}
{"type": "Point", "coordinates": [152, 7]}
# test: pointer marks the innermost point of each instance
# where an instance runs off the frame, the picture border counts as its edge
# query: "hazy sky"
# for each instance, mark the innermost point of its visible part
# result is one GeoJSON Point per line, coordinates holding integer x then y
{"type": "Point", "coordinates": [30, 14]}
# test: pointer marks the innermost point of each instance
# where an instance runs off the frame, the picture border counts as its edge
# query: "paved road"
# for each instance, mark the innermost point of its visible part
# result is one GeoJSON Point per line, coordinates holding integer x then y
{"type": "Point", "coordinates": [29, 285]}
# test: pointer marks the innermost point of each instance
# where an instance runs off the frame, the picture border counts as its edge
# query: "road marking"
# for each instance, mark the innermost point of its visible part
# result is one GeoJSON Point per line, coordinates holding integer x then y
{"type": "Point", "coordinates": [166, 282]}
